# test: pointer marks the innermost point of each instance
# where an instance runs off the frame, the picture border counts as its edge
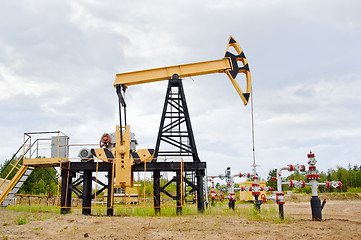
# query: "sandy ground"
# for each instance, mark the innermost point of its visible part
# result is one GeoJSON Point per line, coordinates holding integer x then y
{"type": "Point", "coordinates": [342, 220]}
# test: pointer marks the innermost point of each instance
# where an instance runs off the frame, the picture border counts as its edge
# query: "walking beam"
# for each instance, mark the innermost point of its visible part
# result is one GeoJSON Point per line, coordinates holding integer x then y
{"type": "Point", "coordinates": [228, 65]}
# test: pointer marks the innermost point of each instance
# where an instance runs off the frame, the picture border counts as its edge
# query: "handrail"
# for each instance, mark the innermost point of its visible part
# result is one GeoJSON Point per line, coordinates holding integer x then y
{"type": "Point", "coordinates": [14, 155]}
{"type": "Point", "coordinates": [17, 162]}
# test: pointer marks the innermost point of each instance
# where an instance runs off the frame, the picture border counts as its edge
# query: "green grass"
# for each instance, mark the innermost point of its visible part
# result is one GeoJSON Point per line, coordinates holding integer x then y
{"type": "Point", "coordinates": [354, 189]}
{"type": "Point", "coordinates": [34, 208]}
{"type": "Point", "coordinates": [148, 210]}
{"type": "Point", "coordinates": [21, 220]}
{"type": "Point", "coordinates": [269, 214]}
{"type": "Point", "coordinates": [246, 210]}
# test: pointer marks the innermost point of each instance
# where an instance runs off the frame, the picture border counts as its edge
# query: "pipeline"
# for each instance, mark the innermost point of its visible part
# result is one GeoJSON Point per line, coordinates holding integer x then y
{"type": "Point", "coordinates": [313, 177]}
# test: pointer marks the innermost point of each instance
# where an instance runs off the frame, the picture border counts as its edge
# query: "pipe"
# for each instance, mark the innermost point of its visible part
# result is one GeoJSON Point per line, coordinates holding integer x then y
{"type": "Point", "coordinates": [279, 180]}
{"type": "Point", "coordinates": [206, 190]}
{"type": "Point", "coordinates": [323, 204]}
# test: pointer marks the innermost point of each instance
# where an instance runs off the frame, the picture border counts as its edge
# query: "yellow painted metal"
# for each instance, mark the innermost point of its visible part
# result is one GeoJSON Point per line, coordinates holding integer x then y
{"type": "Point", "coordinates": [44, 162]}
{"type": "Point", "coordinates": [144, 155]}
{"type": "Point", "coordinates": [123, 160]}
{"type": "Point", "coordinates": [160, 74]}
{"type": "Point", "coordinates": [14, 165]}
{"type": "Point", "coordinates": [247, 195]}
{"type": "Point", "coordinates": [224, 65]}
{"type": "Point", "coordinates": [237, 47]}
{"type": "Point", "coordinates": [13, 182]}
{"type": "Point", "coordinates": [99, 153]}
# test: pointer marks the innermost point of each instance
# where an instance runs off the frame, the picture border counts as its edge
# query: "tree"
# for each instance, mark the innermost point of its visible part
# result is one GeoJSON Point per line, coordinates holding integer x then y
{"type": "Point", "coordinates": [271, 174]}
{"type": "Point", "coordinates": [7, 166]}
{"type": "Point", "coordinates": [41, 181]}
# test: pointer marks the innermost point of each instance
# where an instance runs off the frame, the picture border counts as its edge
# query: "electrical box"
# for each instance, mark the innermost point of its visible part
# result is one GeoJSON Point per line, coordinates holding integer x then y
{"type": "Point", "coordinates": [247, 195]}
{"type": "Point", "coordinates": [59, 148]}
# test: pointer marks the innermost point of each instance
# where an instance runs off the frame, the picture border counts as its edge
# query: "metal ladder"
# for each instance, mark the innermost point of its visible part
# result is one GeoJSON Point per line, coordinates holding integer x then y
{"type": "Point", "coordinates": [15, 184]}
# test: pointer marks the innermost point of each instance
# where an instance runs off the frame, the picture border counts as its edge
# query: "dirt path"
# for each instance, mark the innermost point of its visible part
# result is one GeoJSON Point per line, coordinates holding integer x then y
{"type": "Point", "coordinates": [342, 220]}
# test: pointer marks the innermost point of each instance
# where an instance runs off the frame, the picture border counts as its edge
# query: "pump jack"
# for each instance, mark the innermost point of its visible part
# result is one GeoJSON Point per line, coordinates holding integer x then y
{"type": "Point", "coordinates": [171, 132]}
{"type": "Point", "coordinates": [119, 160]}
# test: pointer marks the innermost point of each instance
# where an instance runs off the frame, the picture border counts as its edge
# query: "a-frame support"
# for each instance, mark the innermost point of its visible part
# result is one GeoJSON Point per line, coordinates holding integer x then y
{"type": "Point", "coordinates": [175, 132]}
{"type": "Point", "coordinates": [175, 128]}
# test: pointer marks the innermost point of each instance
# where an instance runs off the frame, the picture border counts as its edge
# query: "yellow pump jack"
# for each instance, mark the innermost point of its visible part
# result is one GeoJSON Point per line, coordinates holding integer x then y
{"type": "Point", "coordinates": [121, 155]}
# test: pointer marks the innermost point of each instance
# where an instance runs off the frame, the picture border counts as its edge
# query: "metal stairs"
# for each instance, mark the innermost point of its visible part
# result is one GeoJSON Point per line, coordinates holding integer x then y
{"type": "Point", "coordinates": [15, 184]}
{"type": "Point", "coordinates": [19, 172]}
{"type": "Point", "coordinates": [26, 158]}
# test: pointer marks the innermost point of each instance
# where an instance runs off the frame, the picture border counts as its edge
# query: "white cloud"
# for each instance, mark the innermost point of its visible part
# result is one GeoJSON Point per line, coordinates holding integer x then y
{"type": "Point", "coordinates": [13, 85]}
{"type": "Point", "coordinates": [58, 61]}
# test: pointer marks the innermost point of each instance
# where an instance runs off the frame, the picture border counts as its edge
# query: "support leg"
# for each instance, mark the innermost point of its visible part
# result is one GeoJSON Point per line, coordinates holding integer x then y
{"type": "Point", "coordinates": [110, 198]}
{"type": "Point", "coordinates": [200, 197]}
{"type": "Point", "coordinates": [87, 192]}
{"type": "Point", "coordinates": [156, 190]}
{"type": "Point", "coordinates": [179, 193]}
{"type": "Point", "coordinates": [66, 192]}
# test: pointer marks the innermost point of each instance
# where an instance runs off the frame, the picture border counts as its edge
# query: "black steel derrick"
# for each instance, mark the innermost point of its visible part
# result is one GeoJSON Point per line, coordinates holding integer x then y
{"type": "Point", "coordinates": [175, 135]}
{"type": "Point", "coordinates": [177, 139]}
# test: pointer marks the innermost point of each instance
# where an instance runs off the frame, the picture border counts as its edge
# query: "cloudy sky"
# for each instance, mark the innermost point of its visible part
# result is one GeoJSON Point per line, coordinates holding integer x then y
{"type": "Point", "coordinates": [58, 61]}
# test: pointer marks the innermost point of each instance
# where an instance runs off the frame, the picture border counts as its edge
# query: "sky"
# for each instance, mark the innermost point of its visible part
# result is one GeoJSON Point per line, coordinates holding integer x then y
{"type": "Point", "coordinates": [58, 61]}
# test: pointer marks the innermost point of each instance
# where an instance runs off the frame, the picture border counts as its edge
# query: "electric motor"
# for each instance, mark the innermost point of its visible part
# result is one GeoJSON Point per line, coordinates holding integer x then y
{"type": "Point", "coordinates": [85, 154]}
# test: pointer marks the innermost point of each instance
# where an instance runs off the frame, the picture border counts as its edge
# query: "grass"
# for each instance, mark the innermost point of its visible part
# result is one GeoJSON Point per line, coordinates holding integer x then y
{"type": "Point", "coordinates": [244, 210]}
{"type": "Point", "coordinates": [247, 211]}
{"type": "Point", "coordinates": [354, 189]}
{"type": "Point", "coordinates": [21, 220]}
{"type": "Point", "coordinates": [3, 236]}
{"type": "Point", "coordinates": [26, 213]}
{"type": "Point", "coordinates": [34, 208]}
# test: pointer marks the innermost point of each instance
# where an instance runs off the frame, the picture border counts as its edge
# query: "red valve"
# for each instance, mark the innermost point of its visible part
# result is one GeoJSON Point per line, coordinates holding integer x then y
{"type": "Point", "coordinates": [263, 198]}
{"type": "Point", "coordinates": [290, 167]}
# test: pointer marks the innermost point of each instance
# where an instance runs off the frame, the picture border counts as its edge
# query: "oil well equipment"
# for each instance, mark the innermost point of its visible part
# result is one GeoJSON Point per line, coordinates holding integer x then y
{"type": "Point", "coordinates": [313, 178]}
{"type": "Point", "coordinates": [119, 157]}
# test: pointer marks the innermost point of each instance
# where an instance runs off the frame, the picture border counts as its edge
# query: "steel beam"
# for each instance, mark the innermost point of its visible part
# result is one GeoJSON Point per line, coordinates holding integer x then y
{"type": "Point", "coordinates": [169, 166]}
{"type": "Point", "coordinates": [164, 73]}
